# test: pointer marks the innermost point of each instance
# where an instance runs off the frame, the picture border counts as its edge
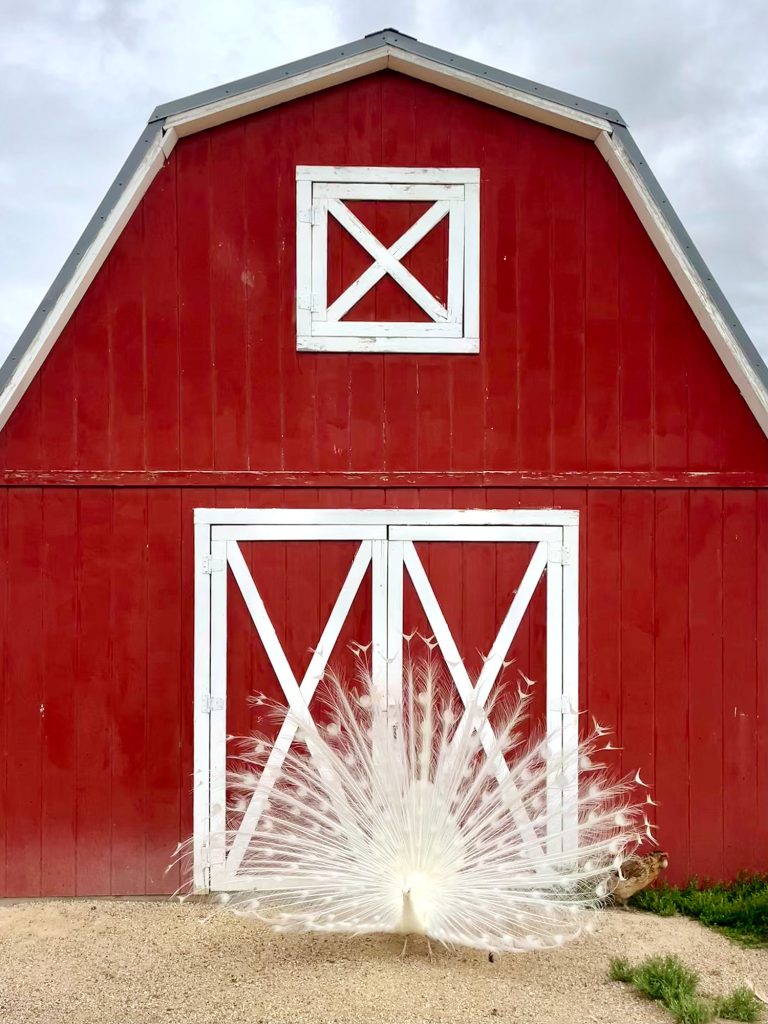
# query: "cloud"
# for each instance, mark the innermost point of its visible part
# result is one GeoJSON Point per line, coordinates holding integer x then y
{"type": "Point", "coordinates": [80, 78]}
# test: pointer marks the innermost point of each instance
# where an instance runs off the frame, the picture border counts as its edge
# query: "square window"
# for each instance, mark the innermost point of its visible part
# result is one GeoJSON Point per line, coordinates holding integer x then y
{"type": "Point", "coordinates": [448, 200]}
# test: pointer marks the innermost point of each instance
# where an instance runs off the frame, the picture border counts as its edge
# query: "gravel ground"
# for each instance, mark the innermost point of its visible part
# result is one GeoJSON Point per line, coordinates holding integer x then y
{"type": "Point", "coordinates": [147, 961]}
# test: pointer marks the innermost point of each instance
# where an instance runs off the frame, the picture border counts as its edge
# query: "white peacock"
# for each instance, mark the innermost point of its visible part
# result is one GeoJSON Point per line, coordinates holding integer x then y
{"type": "Point", "coordinates": [408, 827]}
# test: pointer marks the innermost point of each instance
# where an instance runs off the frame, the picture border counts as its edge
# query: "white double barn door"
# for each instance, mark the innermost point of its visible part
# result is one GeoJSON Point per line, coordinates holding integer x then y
{"type": "Point", "coordinates": [388, 561]}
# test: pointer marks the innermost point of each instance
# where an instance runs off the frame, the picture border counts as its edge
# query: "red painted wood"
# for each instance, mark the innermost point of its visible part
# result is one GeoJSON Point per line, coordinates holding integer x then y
{"type": "Point", "coordinates": [228, 283]}
{"type": "Point", "coordinates": [705, 682]}
{"type": "Point", "coordinates": [498, 302]}
{"type": "Point", "coordinates": [129, 755]}
{"type": "Point", "coordinates": [637, 633]}
{"type": "Point", "coordinates": [263, 312]}
{"type": "Point", "coordinates": [95, 700]}
{"type": "Point", "coordinates": [125, 314]}
{"type": "Point", "coordinates": [91, 344]}
{"type": "Point", "coordinates": [740, 703]}
{"type": "Point", "coordinates": [195, 304]}
{"type": "Point", "coordinates": [567, 254]}
{"type": "Point", "coordinates": [166, 695]}
{"type": "Point", "coordinates": [602, 320]}
{"type": "Point", "coordinates": [24, 690]}
{"type": "Point", "coordinates": [637, 299]}
{"type": "Point", "coordinates": [671, 653]}
{"type": "Point", "coordinates": [59, 696]}
{"type": "Point", "coordinates": [602, 628]}
{"type": "Point", "coordinates": [161, 321]}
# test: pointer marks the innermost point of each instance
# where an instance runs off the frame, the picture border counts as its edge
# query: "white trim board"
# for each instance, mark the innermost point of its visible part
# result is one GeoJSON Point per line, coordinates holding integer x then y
{"type": "Point", "coordinates": [323, 193]}
{"type": "Point", "coordinates": [454, 74]}
{"type": "Point", "coordinates": [388, 540]}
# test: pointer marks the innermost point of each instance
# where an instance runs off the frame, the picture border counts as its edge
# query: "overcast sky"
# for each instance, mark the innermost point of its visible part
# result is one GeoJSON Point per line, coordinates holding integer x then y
{"type": "Point", "coordinates": [79, 78]}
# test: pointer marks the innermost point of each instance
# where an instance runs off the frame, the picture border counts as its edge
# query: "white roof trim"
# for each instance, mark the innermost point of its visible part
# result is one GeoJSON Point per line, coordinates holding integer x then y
{"type": "Point", "coordinates": [344, 70]}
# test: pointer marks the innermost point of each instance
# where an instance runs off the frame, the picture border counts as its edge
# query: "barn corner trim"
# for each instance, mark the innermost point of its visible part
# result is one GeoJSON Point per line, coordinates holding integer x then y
{"type": "Point", "coordinates": [390, 49]}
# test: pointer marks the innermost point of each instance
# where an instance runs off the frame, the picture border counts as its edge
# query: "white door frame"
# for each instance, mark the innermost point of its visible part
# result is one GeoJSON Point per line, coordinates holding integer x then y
{"type": "Point", "coordinates": [387, 541]}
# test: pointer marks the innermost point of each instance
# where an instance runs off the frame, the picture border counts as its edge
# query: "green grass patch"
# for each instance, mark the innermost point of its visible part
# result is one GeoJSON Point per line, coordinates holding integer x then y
{"type": "Point", "coordinates": [667, 980]}
{"type": "Point", "coordinates": [738, 909]}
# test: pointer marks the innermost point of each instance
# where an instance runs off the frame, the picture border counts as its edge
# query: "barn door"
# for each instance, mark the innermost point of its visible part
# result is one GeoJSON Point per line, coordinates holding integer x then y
{"type": "Point", "coordinates": [283, 593]}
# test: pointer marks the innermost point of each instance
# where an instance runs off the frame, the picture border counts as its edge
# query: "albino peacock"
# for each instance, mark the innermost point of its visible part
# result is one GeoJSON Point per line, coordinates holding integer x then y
{"type": "Point", "coordinates": [409, 825]}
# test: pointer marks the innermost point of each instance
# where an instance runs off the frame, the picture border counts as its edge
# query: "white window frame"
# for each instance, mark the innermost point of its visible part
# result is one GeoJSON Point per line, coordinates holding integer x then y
{"type": "Point", "coordinates": [454, 193]}
{"type": "Point", "coordinates": [387, 541]}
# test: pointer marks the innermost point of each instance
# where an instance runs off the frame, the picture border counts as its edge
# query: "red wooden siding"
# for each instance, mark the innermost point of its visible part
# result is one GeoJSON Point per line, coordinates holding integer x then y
{"type": "Point", "coordinates": [177, 383]}
{"type": "Point", "coordinates": [98, 683]}
{"type": "Point", "coordinates": [182, 355]}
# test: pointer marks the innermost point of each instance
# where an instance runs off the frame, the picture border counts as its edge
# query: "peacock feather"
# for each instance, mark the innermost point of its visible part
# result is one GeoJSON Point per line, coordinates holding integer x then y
{"type": "Point", "coordinates": [406, 823]}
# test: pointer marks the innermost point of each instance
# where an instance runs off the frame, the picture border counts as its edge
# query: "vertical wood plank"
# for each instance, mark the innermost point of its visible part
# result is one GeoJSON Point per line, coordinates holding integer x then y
{"type": "Point", "coordinates": [195, 301]}
{"type": "Point", "coordinates": [23, 719]}
{"type": "Point", "coordinates": [161, 321]}
{"type": "Point", "coordinates": [672, 740]}
{"type": "Point", "coordinates": [128, 634]}
{"type": "Point", "coordinates": [95, 702]}
{"type": "Point", "coordinates": [637, 302]}
{"type": "Point", "coordinates": [705, 682]}
{"type": "Point", "coordinates": [567, 253]}
{"type": "Point", "coordinates": [92, 374]}
{"type": "Point", "coordinates": [637, 633]}
{"type": "Point", "coordinates": [165, 601]}
{"type": "Point", "coordinates": [58, 403]}
{"type": "Point", "coordinates": [297, 383]}
{"type": "Point", "coordinates": [739, 707]}
{"type": "Point", "coordinates": [59, 694]}
{"type": "Point", "coordinates": [263, 275]}
{"type": "Point", "coordinates": [228, 292]}
{"type": "Point", "coordinates": [498, 303]}
{"type": "Point", "coordinates": [191, 498]}
{"type": "Point", "coordinates": [603, 622]}
{"type": "Point", "coordinates": [602, 329]}
{"type": "Point", "coordinates": [126, 348]}
{"type": "Point", "coordinates": [670, 380]}
{"type": "Point", "coordinates": [533, 282]}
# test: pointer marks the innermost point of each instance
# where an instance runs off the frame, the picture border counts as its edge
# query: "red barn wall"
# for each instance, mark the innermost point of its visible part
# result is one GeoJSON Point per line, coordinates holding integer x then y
{"type": "Point", "coordinates": [176, 384]}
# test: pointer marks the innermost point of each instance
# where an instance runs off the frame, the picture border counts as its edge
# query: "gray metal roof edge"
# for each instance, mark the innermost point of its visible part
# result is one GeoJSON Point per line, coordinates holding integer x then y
{"type": "Point", "coordinates": [719, 301]}
{"type": "Point", "coordinates": [374, 41]}
{"type": "Point", "coordinates": [67, 272]}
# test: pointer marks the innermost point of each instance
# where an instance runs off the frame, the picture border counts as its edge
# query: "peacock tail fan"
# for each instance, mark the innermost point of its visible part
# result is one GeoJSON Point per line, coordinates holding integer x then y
{"type": "Point", "coordinates": [421, 818]}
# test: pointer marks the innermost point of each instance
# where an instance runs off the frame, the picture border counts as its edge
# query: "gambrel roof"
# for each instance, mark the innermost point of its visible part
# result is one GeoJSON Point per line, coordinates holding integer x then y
{"type": "Point", "coordinates": [396, 51]}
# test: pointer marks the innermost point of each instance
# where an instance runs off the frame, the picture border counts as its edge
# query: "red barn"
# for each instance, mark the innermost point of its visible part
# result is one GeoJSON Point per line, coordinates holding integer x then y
{"type": "Point", "coordinates": [380, 340]}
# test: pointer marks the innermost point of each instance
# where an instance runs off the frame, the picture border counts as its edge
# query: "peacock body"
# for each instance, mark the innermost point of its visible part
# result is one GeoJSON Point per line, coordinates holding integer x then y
{"type": "Point", "coordinates": [405, 822]}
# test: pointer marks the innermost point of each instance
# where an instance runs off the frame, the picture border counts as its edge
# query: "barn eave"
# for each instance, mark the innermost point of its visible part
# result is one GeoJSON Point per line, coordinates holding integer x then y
{"type": "Point", "coordinates": [390, 49]}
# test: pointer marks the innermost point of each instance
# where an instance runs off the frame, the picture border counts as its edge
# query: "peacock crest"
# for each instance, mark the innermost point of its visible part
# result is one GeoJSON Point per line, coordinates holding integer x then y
{"type": "Point", "coordinates": [405, 822]}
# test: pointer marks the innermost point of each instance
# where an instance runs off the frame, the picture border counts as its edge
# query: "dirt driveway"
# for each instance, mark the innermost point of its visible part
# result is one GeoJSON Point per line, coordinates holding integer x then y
{"type": "Point", "coordinates": [142, 961]}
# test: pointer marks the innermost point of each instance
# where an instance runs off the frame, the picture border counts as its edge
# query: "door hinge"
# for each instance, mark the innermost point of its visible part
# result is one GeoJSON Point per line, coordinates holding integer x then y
{"type": "Point", "coordinates": [209, 703]}
{"type": "Point", "coordinates": [211, 564]}
{"type": "Point", "coordinates": [309, 215]}
{"type": "Point", "coordinates": [559, 554]}
{"type": "Point", "coordinates": [310, 302]}
{"type": "Point", "coordinates": [213, 854]}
